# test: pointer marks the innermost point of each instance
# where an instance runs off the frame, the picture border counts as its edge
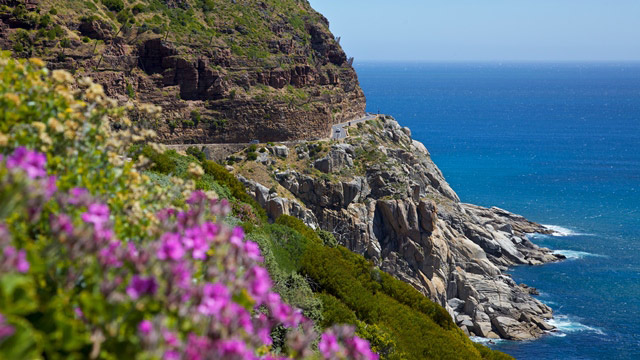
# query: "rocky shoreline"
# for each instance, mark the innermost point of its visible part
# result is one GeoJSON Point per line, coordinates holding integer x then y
{"type": "Point", "coordinates": [382, 196]}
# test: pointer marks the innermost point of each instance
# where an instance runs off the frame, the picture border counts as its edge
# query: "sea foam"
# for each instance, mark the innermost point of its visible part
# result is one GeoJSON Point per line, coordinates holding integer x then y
{"type": "Point", "coordinates": [565, 324]}
{"type": "Point", "coordinates": [574, 254]}
{"type": "Point", "coordinates": [563, 231]}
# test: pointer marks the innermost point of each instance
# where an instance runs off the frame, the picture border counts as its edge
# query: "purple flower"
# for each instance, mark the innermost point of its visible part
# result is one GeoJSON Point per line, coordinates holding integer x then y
{"type": "Point", "coordinates": [110, 256]}
{"type": "Point", "coordinates": [196, 197]}
{"type": "Point", "coordinates": [140, 286]}
{"type": "Point", "coordinates": [328, 345]}
{"type": "Point", "coordinates": [78, 312]}
{"type": "Point", "coordinates": [259, 282]}
{"type": "Point", "coordinates": [170, 247]}
{"type": "Point", "coordinates": [6, 330]}
{"type": "Point", "coordinates": [78, 196]}
{"type": "Point", "coordinates": [234, 349]}
{"type": "Point", "coordinates": [32, 162]}
{"type": "Point", "coordinates": [214, 298]}
{"type": "Point", "coordinates": [360, 349]}
{"type": "Point", "coordinates": [16, 259]}
{"type": "Point", "coordinates": [181, 275]}
{"type": "Point", "coordinates": [252, 250]}
{"type": "Point", "coordinates": [197, 347]}
{"type": "Point", "coordinates": [97, 214]}
{"type": "Point", "coordinates": [194, 239]}
{"type": "Point", "coordinates": [171, 355]}
{"type": "Point", "coordinates": [62, 224]}
{"type": "Point", "coordinates": [50, 187]}
{"type": "Point", "coordinates": [22, 265]}
{"type": "Point", "coordinates": [145, 327]}
{"type": "Point", "coordinates": [263, 330]}
{"type": "Point", "coordinates": [237, 236]}
{"type": "Point", "coordinates": [170, 338]}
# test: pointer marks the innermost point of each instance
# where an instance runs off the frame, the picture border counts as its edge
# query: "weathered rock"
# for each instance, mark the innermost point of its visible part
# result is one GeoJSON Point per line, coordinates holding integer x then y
{"type": "Point", "coordinates": [403, 216]}
{"type": "Point", "coordinates": [281, 151]}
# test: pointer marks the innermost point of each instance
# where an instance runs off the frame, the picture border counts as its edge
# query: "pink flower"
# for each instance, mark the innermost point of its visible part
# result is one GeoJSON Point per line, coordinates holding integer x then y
{"type": "Point", "coordinates": [6, 330]}
{"type": "Point", "coordinates": [328, 345]}
{"type": "Point", "coordinates": [197, 197]}
{"type": "Point", "coordinates": [140, 286]}
{"type": "Point", "coordinates": [237, 236]}
{"type": "Point", "coordinates": [109, 255]}
{"type": "Point", "coordinates": [170, 338]}
{"type": "Point", "coordinates": [252, 250]}
{"type": "Point", "coordinates": [263, 331]}
{"type": "Point", "coordinates": [259, 282]}
{"type": "Point", "coordinates": [181, 275]}
{"type": "Point", "coordinates": [360, 349]}
{"type": "Point", "coordinates": [16, 259]}
{"type": "Point", "coordinates": [171, 355]}
{"type": "Point", "coordinates": [78, 196]}
{"type": "Point", "coordinates": [62, 224]}
{"type": "Point", "coordinates": [197, 347]}
{"type": "Point", "coordinates": [97, 214]}
{"type": "Point", "coordinates": [234, 349]}
{"type": "Point", "coordinates": [214, 298]}
{"type": "Point", "coordinates": [22, 265]}
{"type": "Point", "coordinates": [32, 162]}
{"type": "Point", "coordinates": [50, 187]}
{"type": "Point", "coordinates": [145, 327]}
{"type": "Point", "coordinates": [170, 247]}
{"type": "Point", "coordinates": [78, 312]}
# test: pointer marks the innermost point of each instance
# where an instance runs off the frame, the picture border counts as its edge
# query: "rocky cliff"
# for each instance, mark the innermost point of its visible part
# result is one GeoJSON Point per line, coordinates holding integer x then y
{"type": "Point", "coordinates": [381, 195]}
{"type": "Point", "coordinates": [223, 71]}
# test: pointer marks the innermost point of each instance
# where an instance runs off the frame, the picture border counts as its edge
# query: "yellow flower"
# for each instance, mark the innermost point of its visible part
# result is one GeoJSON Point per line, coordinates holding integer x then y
{"type": "Point", "coordinates": [95, 92]}
{"type": "Point", "coordinates": [4, 139]}
{"type": "Point", "coordinates": [44, 137]}
{"type": "Point", "coordinates": [41, 127]}
{"type": "Point", "coordinates": [37, 62]}
{"type": "Point", "coordinates": [195, 170]}
{"type": "Point", "coordinates": [62, 76]}
{"type": "Point", "coordinates": [70, 134]}
{"type": "Point", "coordinates": [55, 125]}
{"type": "Point", "coordinates": [13, 98]}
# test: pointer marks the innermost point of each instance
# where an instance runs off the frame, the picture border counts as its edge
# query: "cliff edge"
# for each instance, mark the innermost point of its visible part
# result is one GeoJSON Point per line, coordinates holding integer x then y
{"type": "Point", "coordinates": [382, 196]}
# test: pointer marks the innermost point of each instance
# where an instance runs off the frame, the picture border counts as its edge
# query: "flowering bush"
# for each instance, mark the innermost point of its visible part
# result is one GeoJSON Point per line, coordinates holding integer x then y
{"type": "Point", "coordinates": [100, 262]}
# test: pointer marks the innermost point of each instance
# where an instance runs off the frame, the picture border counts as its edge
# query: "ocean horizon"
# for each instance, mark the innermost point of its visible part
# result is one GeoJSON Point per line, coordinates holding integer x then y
{"type": "Point", "coordinates": [559, 143]}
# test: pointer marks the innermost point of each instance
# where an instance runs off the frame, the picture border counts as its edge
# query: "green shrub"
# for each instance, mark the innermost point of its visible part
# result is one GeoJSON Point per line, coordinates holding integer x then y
{"type": "Point", "coordinates": [114, 5]}
{"type": "Point", "coordinates": [196, 153]}
{"type": "Point", "coordinates": [251, 156]}
{"type": "Point", "coordinates": [130, 91]}
{"type": "Point", "coordinates": [252, 148]}
{"type": "Point", "coordinates": [161, 162]}
{"type": "Point", "coordinates": [327, 238]}
{"type": "Point", "coordinates": [299, 226]}
{"type": "Point", "coordinates": [65, 43]}
{"type": "Point", "coordinates": [223, 177]}
{"type": "Point", "coordinates": [196, 117]}
{"type": "Point", "coordinates": [335, 312]}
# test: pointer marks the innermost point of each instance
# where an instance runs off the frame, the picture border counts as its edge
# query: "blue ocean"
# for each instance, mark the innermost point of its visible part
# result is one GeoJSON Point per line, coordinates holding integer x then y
{"type": "Point", "coordinates": [559, 144]}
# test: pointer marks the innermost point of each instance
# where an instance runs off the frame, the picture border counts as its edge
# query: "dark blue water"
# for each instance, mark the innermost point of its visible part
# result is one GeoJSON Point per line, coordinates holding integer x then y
{"type": "Point", "coordinates": [560, 144]}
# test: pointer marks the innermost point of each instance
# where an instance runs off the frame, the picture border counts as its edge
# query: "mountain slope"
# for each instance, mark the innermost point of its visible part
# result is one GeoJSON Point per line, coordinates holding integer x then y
{"type": "Point", "coordinates": [224, 71]}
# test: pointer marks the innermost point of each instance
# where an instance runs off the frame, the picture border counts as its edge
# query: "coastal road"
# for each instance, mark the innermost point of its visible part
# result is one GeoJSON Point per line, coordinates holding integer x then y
{"type": "Point", "coordinates": [339, 131]}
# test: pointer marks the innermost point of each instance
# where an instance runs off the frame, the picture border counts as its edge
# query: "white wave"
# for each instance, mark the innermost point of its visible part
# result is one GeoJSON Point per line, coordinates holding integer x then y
{"type": "Point", "coordinates": [485, 341]}
{"type": "Point", "coordinates": [566, 325]}
{"type": "Point", "coordinates": [563, 231]}
{"type": "Point", "coordinates": [573, 254]}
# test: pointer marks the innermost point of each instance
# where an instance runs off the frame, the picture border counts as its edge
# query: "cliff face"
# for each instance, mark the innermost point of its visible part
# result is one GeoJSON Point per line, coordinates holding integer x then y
{"type": "Point", "coordinates": [223, 71]}
{"type": "Point", "coordinates": [383, 197]}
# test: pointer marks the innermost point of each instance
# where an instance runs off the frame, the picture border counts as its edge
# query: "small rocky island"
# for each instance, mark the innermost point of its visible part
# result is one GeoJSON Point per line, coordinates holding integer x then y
{"type": "Point", "coordinates": [382, 196]}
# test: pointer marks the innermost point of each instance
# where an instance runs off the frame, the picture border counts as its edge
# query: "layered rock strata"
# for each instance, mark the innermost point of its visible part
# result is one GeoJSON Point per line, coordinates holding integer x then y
{"type": "Point", "coordinates": [382, 196]}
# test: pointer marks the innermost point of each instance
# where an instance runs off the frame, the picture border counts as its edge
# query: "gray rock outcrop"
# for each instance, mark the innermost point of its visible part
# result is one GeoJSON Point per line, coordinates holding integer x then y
{"type": "Point", "coordinates": [397, 210]}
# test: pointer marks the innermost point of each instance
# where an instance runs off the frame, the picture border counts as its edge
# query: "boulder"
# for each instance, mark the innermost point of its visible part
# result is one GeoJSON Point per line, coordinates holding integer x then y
{"type": "Point", "coordinates": [281, 151]}
{"type": "Point", "coordinates": [511, 329]}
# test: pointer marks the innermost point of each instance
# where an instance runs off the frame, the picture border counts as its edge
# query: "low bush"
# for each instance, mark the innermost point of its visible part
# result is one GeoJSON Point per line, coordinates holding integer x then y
{"type": "Point", "coordinates": [114, 5]}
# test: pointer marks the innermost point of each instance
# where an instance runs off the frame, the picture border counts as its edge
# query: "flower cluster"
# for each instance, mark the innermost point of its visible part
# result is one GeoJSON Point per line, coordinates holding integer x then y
{"type": "Point", "coordinates": [217, 294]}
